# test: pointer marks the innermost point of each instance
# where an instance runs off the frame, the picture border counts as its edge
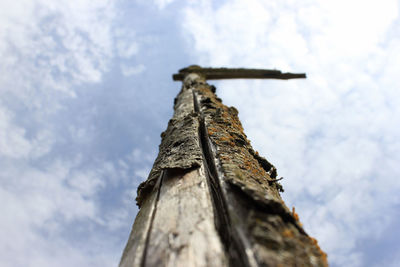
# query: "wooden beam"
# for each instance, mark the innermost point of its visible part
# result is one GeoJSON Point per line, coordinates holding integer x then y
{"type": "Point", "coordinates": [236, 73]}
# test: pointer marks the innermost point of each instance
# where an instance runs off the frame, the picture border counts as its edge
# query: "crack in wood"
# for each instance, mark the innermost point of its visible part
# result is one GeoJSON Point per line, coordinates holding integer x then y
{"type": "Point", "coordinates": [252, 196]}
{"type": "Point", "coordinates": [153, 215]}
{"type": "Point", "coordinates": [234, 240]}
{"type": "Point", "coordinates": [135, 249]}
{"type": "Point", "coordinates": [210, 199]}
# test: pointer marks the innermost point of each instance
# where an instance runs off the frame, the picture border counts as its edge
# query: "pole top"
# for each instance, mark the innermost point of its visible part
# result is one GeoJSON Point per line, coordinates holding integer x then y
{"type": "Point", "coordinates": [235, 73]}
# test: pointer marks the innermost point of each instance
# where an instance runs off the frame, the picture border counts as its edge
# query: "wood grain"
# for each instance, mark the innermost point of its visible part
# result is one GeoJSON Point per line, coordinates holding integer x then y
{"type": "Point", "coordinates": [183, 231]}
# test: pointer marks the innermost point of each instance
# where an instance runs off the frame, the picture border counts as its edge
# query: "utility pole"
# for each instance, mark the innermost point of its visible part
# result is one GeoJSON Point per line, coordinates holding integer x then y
{"type": "Point", "coordinates": [210, 199]}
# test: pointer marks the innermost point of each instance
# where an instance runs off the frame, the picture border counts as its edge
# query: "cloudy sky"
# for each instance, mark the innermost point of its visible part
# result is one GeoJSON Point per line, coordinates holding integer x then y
{"type": "Point", "coordinates": [86, 90]}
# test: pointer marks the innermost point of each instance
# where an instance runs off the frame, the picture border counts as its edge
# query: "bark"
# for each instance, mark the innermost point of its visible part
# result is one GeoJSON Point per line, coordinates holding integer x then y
{"type": "Point", "coordinates": [210, 199]}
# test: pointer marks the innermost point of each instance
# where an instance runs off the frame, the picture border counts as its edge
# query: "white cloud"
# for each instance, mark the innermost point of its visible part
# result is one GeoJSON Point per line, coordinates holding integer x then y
{"type": "Point", "coordinates": [54, 45]}
{"type": "Point", "coordinates": [163, 3]}
{"type": "Point", "coordinates": [12, 138]}
{"type": "Point", "coordinates": [143, 161]}
{"type": "Point", "coordinates": [327, 135]}
{"type": "Point", "coordinates": [132, 70]}
{"type": "Point", "coordinates": [332, 136]}
{"type": "Point", "coordinates": [39, 207]}
{"type": "Point", "coordinates": [86, 183]}
{"type": "Point", "coordinates": [32, 199]}
{"type": "Point", "coordinates": [51, 195]}
{"type": "Point", "coordinates": [127, 50]}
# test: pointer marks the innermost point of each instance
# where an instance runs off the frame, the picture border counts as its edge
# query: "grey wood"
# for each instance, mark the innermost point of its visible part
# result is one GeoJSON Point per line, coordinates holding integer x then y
{"type": "Point", "coordinates": [210, 199]}
{"type": "Point", "coordinates": [183, 231]}
{"type": "Point", "coordinates": [133, 255]}
{"type": "Point", "coordinates": [235, 73]}
{"type": "Point", "coordinates": [175, 224]}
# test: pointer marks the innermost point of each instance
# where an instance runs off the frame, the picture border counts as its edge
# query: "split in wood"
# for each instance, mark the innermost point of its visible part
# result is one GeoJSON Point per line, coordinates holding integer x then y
{"type": "Point", "coordinates": [210, 199]}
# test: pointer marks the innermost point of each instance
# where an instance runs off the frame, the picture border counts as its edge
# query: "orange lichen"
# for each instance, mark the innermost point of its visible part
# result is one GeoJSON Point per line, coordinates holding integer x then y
{"type": "Point", "coordinates": [288, 233]}
{"type": "Point", "coordinates": [324, 256]}
{"type": "Point", "coordinates": [227, 139]}
{"type": "Point", "coordinates": [296, 216]}
{"type": "Point", "coordinates": [223, 157]}
{"type": "Point", "coordinates": [211, 131]}
{"type": "Point", "coordinates": [242, 165]}
{"type": "Point", "coordinates": [253, 168]}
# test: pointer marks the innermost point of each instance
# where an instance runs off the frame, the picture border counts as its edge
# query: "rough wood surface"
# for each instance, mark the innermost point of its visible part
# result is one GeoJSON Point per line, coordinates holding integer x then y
{"type": "Point", "coordinates": [210, 199]}
{"type": "Point", "coordinates": [183, 231]}
{"type": "Point", "coordinates": [175, 224]}
{"type": "Point", "coordinates": [236, 73]}
{"type": "Point", "coordinates": [179, 147]}
{"type": "Point", "coordinates": [134, 251]}
{"type": "Point", "coordinates": [251, 191]}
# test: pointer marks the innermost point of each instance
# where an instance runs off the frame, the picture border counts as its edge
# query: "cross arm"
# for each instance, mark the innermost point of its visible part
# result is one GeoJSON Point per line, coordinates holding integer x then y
{"type": "Point", "coordinates": [236, 73]}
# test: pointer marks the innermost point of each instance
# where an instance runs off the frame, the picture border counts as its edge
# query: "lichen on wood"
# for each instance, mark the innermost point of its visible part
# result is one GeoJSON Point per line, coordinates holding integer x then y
{"type": "Point", "coordinates": [241, 164]}
{"type": "Point", "coordinates": [252, 191]}
{"type": "Point", "coordinates": [210, 194]}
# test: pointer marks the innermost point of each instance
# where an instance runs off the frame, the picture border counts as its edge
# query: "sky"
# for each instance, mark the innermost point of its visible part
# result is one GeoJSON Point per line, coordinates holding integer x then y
{"type": "Point", "coordinates": [86, 90]}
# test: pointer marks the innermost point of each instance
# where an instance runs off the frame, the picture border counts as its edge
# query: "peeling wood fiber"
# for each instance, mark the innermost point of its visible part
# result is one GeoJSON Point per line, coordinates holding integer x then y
{"type": "Point", "coordinates": [175, 224]}
{"type": "Point", "coordinates": [179, 147]}
{"type": "Point", "coordinates": [251, 191]}
{"type": "Point", "coordinates": [210, 199]}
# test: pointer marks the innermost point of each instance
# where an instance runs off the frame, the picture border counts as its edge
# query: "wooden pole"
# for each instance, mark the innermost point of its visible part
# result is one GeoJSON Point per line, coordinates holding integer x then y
{"type": "Point", "coordinates": [210, 199]}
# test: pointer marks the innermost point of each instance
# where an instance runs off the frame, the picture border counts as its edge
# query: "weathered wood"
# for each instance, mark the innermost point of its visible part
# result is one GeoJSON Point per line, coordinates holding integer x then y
{"type": "Point", "coordinates": [235, 73]}
{"type": "Point", "coordinates": [249, 188]}
{"type": "Point", "coordinates": [183, 231]}
{"type": "Point", "coordinates": [134, 251]}
{"type": "Point", "coordinates": [210, 199]}
{"type": "Point", "coordinates": [175, 224]}
{"type": "Point", "coordinates": [179, 147]}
